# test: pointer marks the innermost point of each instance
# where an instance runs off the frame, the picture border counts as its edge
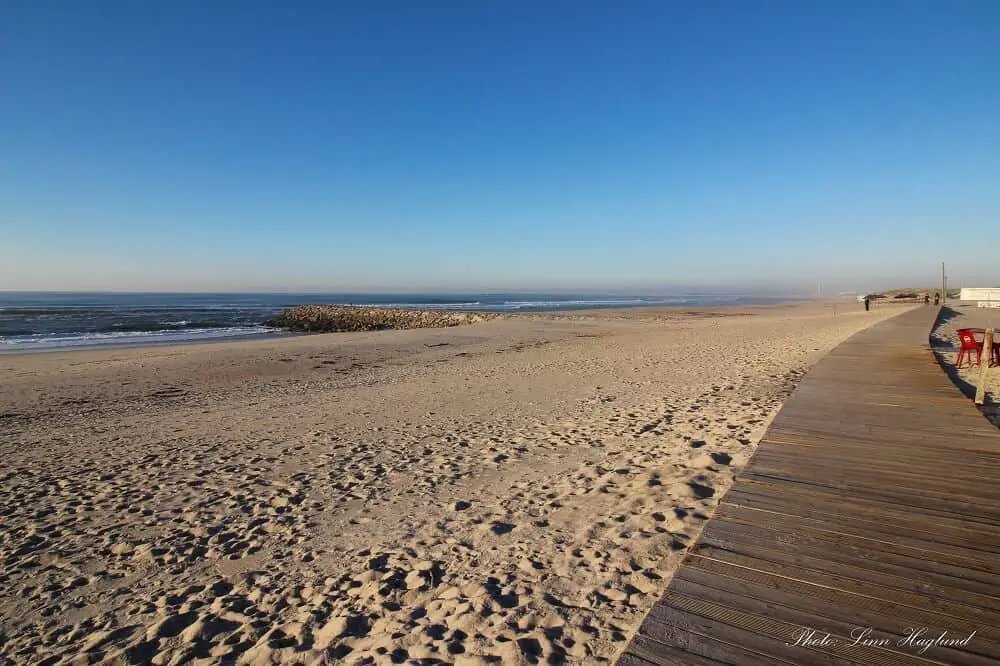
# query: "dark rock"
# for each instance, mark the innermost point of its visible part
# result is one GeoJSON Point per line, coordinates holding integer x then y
{"type": "Point", "coordinates": [343, 318]}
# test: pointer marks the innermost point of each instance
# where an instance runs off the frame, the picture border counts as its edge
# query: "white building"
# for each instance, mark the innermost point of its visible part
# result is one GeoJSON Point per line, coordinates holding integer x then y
{"type": "Point", "coordinates": [988, 297]}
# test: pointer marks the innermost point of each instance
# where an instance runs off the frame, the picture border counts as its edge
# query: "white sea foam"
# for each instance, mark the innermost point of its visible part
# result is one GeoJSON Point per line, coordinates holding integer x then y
{"type": "Point", "coordinates": [532, 305]}
{"type": "Point", "coordinates": [426, 306]}
{"type": "Point", "coordinates": [577, 303]}
{"type": "Point", "coordinates": [51, 341]}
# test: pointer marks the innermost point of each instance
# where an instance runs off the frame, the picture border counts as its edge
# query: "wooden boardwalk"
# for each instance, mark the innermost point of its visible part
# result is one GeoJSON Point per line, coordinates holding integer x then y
{"type": "Point", "coordinates": [871, 509]}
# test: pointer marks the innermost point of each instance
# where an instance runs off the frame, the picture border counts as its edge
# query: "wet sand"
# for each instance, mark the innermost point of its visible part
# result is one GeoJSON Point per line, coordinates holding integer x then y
{"type": "Point", "coordinates": [516, 491]}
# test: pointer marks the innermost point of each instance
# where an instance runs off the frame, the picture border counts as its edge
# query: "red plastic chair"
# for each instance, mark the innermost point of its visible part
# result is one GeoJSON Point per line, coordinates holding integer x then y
{"type": "Point", "coordinates": [968, 344]}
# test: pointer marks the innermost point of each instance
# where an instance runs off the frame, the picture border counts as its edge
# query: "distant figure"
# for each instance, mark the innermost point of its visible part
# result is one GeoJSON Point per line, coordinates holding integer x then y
{"type": "Point", "coordinates": [937, 298]}
{"type": "Point", "coordinates": [927, 299]}
{"type": "Point", "coordinates": [866, 303]}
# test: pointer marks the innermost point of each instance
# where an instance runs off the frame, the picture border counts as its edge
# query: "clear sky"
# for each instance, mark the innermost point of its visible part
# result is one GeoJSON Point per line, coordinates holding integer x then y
{"type": "Point", "coordinates": [233, 144]}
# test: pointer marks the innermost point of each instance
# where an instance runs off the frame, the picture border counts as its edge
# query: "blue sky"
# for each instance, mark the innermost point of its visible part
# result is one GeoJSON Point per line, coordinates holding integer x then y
{"type": "Point", "coordinates": [385, 145]}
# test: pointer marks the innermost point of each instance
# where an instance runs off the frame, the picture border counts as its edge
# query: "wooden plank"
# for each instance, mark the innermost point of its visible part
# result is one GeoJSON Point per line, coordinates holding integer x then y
{"type": "Point", "coordinates": [740, 643]}
{"type": "Point", "coordinates": [943, 490]}
{"type": "Point", "coordinates": [763, 635]}
{"type": "Point", "coordinates": [720, 539]}
{"type": "Point", "coordinates": [893, 429]}
{"type": "Point", "coordinates": [873, 500]}
{"type": "Point", "coordinates": [864, 517]}
{"type": "Point", "coordinates": [744, 601]}
{"type": "Point", "coordinates": [937, 612]}
{"type": "Point", "coordinates": [645, 650]}
{"type": "Point", "coordinates": [792, 498]}
{"type": "Point", "coordinates": [904, 474]}
{"type": "Point", "coordinates": [694, 646]}
{"type": "Point", "coordinates": [851, 526]}
{"type": "Point", "coordinates": [878, 553]}
{"type": "Point", "coordinates": [825, 609]}
{"type": "Point", "coordinates": [941, 495]}
{"type": "Point", "coordinates": [981, 515]}
{"type": "Point", "coordinates": [631, 659]}
{"type": "Point", "coordinates": [892, 587]}
{"type": "Point", "coordinates": [843, 449]}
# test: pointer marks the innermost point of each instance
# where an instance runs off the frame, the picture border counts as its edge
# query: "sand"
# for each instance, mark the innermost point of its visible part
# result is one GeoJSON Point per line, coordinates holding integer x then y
{"type": "Point", "coordinates": [958, 315]}
{"type": "Point", "coordinates": [517, 491]}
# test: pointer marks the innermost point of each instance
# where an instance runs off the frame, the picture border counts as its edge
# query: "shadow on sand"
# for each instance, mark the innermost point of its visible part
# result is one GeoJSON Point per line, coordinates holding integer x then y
{"type": "Point", "coordinates": [944, 349]}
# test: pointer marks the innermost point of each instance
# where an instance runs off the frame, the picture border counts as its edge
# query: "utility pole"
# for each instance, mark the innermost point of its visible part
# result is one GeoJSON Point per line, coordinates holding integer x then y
{"type": "Point", "coordinates": [944, 285]}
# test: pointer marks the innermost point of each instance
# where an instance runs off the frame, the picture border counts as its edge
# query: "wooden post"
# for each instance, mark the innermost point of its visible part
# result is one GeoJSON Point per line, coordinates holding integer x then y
{"type": "Point", "coordinates": [984, 367]}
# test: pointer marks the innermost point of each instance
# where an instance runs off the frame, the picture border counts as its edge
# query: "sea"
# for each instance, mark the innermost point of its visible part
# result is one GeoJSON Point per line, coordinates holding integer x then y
{"type": "Point", "coordinates": [44, 321]}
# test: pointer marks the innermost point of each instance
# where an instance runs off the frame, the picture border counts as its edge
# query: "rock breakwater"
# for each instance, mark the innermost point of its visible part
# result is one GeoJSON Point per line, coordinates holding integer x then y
{"type": "Point", "coordinates": [344, 318]}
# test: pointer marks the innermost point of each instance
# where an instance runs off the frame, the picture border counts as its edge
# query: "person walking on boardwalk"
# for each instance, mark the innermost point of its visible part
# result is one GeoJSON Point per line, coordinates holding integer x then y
{"type": "Point", "coordinates": [866, 302]}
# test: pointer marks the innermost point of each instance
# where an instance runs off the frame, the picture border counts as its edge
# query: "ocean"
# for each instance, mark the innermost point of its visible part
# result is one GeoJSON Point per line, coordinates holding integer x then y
{"type": "Point", "coordinates": [37, 321]}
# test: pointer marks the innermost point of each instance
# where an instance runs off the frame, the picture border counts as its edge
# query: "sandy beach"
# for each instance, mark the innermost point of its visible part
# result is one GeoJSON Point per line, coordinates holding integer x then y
{"type": "Point", "coordinates": [516, 491]}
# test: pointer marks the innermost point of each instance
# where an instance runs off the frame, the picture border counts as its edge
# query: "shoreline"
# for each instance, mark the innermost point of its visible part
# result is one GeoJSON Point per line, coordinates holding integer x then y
{"type": "Point", "coordinates": [593, 313]}
{"type": "Point", "coordinates": [141, 344]}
